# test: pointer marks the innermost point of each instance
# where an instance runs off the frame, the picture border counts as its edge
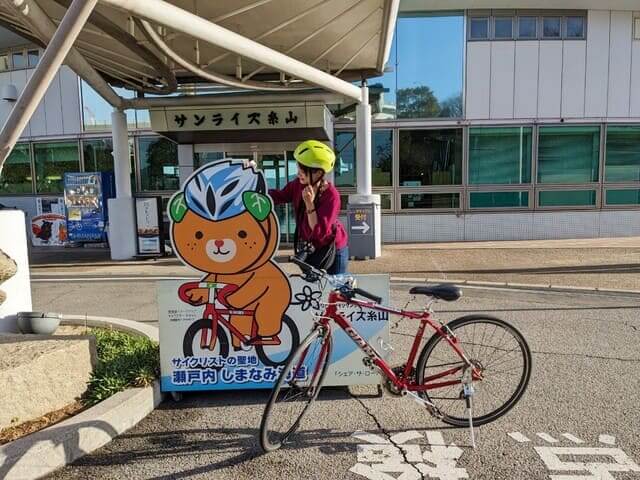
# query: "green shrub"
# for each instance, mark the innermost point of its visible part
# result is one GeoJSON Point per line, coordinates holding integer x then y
{"type": "Point", "coordinates": [124, 361]}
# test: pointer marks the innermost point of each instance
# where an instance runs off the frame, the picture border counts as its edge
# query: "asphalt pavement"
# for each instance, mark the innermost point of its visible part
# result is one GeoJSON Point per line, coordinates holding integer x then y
{"type": "Point", "coordinates": [578, 419]}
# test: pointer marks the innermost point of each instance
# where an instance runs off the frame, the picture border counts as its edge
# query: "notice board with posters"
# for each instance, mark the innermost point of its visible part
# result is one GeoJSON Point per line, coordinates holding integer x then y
{"type": "Point", "coordinates": [236, 325]}
{"type": "Point", "coordinates": [186, 365]}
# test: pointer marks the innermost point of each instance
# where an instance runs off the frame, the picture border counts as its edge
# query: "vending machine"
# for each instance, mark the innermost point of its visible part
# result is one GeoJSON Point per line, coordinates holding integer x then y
{"type": "Point", "coordinates": [86, 196]}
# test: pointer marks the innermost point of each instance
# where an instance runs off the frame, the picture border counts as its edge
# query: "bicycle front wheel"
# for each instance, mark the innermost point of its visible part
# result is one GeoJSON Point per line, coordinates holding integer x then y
{"type": "Point", "coordinates": [296, 389]}
{"type": "Point", "coordinates": [497, 349]}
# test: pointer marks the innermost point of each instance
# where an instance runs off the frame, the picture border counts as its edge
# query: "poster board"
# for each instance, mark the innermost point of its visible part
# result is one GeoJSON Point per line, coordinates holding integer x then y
{"type": "Point", "coordinates": [243, 369]}
{"type": "Point", "coordinates": [49, 226]}
{"type": "Point", "coordinates": [149, 226]}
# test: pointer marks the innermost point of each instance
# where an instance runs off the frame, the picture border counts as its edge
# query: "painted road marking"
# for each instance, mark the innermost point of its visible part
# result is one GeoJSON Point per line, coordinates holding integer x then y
{"type": "Point", "coordinates": [518, 437]}
{"type": "Point", "coordinates": [380, 457]}
{"type": "Point", "coordinates": [568, 436]}
{"type": "Point", "coordinates": [605, 460]}
{"type": "Point", "coordinates": [607, 439]}
{"type": "Point", "coordinates": [547, 438]}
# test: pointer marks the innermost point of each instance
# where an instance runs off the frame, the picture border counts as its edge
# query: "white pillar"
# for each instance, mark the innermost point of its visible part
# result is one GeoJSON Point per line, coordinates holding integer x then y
{"type": "Point", "coordinates": [61, 42]}
{"type": "Point", "coordinates": [185, 161]}
{"type": "Point", "coordinates": [365, 247]}
{"type": "Point", "coordinates": [122, 220]}
{"type": "Point", "coordinates": [363, 144]}
{"type": "Point", "coordinates": [121, 159]}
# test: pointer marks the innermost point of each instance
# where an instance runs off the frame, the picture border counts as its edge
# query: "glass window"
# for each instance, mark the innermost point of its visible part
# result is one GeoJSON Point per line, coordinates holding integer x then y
{"type": "Point", "coordinates": [503, 27]}
{"type": "Point", "coordinates": [563, 198]}
{"type": "Point", "coordinates": [575, 27]}
{"type": "Point", "coordinates": [4, 62]}
{"type": "Point", "coordinates": [551, 27]}
{"type": "Point", "coordinates": [96, 111]}
{"type": "Point", "coordinates": [202, 158]}
{"type": "Point", "coordinates": [528, 27]}
{"type": "Point", "coordinates": [345, 169]}
{"type": "Point", "coordinates": [629, 196]}
{"type": "Point", "coordinates": [479, 28]}
{"type": "Point", "coordinates": [499, 199]}
{"type": "Point", "coordinates": [16, 174]}
{"type": "Point", "coordinates": [622, 162]}
{"type": "Point", "coordinates": [568, 154]}
{"type": "Point", "coordinates": [431, 157]}
{"type": "Point", "coordinates": [430, 200]}
{"type": "Point", "coordinates": [385, 201]}
{"type": "Point", "coordinates": [34, 57]}
{"type": "Point", "coordinates": [158, 164]}
{"type": "Point", "coordinates": [98, 155]}
{"type": "Point", "coordinates": [52, 161]}
{"type": "Point", "coordinates": [500, 155]}
{"type": "Point", "coordinates": [381, 158]}
{"type": "Point", "coordinates": [636, 21]}
{"type": "Point", "coordinates": [429, 66]}
{"type": "Point", "coordinates": [18, 60]}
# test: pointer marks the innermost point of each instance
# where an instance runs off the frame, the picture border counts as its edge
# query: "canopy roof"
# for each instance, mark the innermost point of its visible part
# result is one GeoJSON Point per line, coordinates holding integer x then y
{"type": "Point", "coordinates": [347, 38]}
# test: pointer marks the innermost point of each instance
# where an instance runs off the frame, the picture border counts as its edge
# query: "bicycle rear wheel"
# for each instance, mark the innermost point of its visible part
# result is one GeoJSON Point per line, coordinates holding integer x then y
{"type": "Point", "coordinates": [296, 389]}
{"type": "Point", "coordinates": [497, 349]}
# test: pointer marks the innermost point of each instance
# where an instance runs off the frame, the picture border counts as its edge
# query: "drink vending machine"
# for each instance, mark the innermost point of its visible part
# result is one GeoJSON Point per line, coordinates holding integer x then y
{"type": "Point", "coordinates": [86, 196]}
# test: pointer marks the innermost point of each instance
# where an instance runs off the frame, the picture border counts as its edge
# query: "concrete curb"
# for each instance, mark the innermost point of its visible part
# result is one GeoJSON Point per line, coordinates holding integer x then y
{"type": "Point", "coordinates": [43, 452]}
{"type": "Point", "coordinates": [520, 286]}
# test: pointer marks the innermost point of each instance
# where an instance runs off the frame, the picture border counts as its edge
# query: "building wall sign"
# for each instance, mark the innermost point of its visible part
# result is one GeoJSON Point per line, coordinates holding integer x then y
{"type": "Point", "coordinates": [234, 117]}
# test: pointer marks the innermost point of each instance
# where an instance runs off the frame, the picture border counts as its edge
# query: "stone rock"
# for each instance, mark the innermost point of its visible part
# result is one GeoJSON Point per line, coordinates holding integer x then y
{"type": "Point", "coordinates": [8, 269]}
{"type": "Point", "coordinates": [40, 374]}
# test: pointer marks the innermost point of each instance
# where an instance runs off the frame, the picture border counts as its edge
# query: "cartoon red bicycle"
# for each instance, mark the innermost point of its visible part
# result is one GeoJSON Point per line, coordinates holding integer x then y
{"type": "Point", "coordinates": [205, 338]}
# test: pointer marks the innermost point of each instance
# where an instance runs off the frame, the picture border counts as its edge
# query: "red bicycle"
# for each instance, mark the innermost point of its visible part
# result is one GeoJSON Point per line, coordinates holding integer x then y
{"type": "Point", "coordinates": [470, 372]}
{"type": "Point", "coordinates": [204, 337]}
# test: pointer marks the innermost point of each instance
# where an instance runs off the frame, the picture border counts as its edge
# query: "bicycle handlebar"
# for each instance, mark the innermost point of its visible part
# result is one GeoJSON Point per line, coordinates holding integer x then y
{"type": "Point", "coordinates": [309, 269]}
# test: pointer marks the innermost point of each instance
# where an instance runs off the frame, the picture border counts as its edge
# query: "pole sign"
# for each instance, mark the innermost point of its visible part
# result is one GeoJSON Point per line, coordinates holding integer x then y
{"type": "Point", "coordinates": [361, 220]}
{"type": "Point", "coordinates": [237, 325]}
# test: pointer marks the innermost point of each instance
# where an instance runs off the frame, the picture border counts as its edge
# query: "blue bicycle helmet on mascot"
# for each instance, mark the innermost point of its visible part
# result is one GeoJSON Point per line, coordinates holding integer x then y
{"type": "Point", "coordinates": [222, 190]}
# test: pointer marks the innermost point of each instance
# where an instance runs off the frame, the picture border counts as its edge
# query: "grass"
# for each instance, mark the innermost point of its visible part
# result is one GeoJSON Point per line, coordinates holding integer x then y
{"type": "Point", "coordinates": [124, 361]}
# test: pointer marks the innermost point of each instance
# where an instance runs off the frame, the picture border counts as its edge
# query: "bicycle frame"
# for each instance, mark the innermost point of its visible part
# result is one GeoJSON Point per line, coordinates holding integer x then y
{"type": "Point", "coordinates": [405, 383]}
{"type": "Point", "coordinates": [220, 315]}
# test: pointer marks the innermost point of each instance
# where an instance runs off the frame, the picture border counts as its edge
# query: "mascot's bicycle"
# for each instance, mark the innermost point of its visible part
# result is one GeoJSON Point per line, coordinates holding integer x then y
{"type": "Point", "coordinates": [470, 372]}
{"type": "Point", "coordinates": [207, 335]}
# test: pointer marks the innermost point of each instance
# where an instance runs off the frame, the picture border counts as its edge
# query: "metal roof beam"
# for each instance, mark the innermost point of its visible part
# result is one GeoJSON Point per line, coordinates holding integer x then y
{"type": "Point", "coordinates": [45, 28]}
{"type": "Point", "coordinates": [167, 14]}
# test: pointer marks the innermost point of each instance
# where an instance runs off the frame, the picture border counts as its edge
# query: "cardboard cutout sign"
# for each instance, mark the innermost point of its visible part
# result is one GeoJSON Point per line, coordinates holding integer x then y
{"type": "Point", "coordinates": [239, 314]}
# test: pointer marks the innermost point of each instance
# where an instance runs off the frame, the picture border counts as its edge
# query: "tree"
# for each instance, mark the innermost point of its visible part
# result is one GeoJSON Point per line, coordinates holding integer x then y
{"type": "Point", "coordinates": [417, 102]}
{"type": "Point", "coordinates": [452, 106]}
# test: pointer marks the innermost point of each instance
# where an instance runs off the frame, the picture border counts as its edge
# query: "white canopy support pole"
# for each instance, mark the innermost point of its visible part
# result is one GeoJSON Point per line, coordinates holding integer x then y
{"type": "Point", "coordinates": [122, 218]}
{"type": "Point", "coordinates": [45, 28]}
{"type": "Point", "coordinates": [181, 20]}
{"type": "Point", "coordinates": [33, 92]}
{"type": "Point", "coordinates": [363, 144]}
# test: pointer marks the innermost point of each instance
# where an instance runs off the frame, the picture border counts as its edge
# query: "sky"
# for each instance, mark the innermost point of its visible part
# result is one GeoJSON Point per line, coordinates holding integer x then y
{"type": "Point", "coordinates": [426, 51]}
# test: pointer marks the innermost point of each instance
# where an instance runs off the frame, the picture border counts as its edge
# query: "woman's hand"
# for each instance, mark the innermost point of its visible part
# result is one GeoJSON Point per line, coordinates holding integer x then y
{"type": "Point", "coordinates": [308, 196]}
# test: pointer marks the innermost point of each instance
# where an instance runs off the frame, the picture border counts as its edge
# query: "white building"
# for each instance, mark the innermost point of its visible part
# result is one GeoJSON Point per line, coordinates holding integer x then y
{"type": "Point", "coordinates": [511, 120]}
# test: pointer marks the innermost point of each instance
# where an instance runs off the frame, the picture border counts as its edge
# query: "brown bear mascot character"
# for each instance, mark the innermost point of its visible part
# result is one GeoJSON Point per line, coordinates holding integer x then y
{"type": "Point", "coordinates": [223, 224]}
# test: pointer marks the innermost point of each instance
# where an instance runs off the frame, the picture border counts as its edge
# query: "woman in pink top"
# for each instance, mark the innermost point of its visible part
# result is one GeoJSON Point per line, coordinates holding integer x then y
{"type": "Point", "coordinates": [316, 202]}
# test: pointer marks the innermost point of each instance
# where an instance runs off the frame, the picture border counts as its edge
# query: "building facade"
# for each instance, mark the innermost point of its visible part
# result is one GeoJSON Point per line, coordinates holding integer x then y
{"type": "Point", "coordinates": [491, 124]}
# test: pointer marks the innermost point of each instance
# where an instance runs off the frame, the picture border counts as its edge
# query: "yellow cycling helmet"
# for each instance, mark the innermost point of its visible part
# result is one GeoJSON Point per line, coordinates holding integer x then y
{"type": "Point", "coordinates": [315, 154]}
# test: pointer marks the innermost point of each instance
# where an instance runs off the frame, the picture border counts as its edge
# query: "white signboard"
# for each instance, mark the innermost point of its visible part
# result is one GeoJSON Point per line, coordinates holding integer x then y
{"type": "Point", "coordinates": [147, 225]}
{"type": "Point", "coordinates": [229, 363]}
{"type": "Point", "coordinates": [13, 242]}
{"type": "Point", "coordinates": [242, 117]}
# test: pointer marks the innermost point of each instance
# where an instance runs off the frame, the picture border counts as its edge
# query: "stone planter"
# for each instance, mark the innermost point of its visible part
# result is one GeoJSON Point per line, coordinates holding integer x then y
{"type": "Point", "coordinates": [38, 322]}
